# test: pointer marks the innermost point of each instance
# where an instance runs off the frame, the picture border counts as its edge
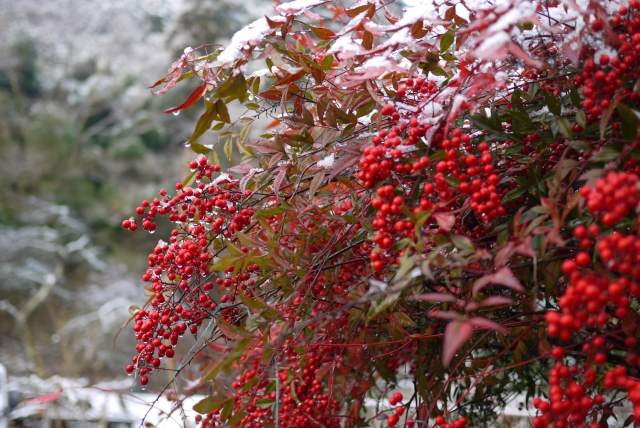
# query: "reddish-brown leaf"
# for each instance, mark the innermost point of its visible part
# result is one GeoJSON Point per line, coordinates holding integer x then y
{"type": "Point", "coordinates": [46, 398]}
{"type": "Point", "coordinates": [455, 335]}
{"type": "Point", "coordinates": [191, 100]}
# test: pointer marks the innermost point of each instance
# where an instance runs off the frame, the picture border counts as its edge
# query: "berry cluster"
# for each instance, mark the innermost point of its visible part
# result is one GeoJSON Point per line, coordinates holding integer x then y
{"type": "Point", "coordinates": [612, 197]}
{"type": "Point", "coordinates": [178, 270]}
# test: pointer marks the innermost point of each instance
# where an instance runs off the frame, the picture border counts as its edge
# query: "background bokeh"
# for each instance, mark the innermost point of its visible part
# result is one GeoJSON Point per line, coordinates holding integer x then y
{"type": "Point", "coordinates": [82, 142]}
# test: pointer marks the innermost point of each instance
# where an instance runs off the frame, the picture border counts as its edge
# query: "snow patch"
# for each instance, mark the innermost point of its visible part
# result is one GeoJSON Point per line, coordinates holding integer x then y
{"type": "Point", "coordinates": [251, 35]}
{"type": "Point", "coordinates": [296, 7]}
{"type": "Point", "coordinates": [345, 48]}
{"type": "Point", "coordinates": [327, 162]}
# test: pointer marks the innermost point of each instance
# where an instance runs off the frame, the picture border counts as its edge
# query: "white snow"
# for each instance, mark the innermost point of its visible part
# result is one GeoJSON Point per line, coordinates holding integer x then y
{"type": "Point", "coordinates": [493, 47]}
{"type": "Point", "coordinates": [345, 47]}
{"type": "Point", "coordinates": [327, 162]}
{"type": "Point", "coordinates": [251, 35]}
{"type": "Point", "coordinates": [296, 7]}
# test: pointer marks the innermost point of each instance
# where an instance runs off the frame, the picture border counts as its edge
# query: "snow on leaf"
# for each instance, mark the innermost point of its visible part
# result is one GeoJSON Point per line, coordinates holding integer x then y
{"type": "Point", "coordinates": [46, 398]}
{"type": "Point", "coordinates": [344, 48]}
{"type": "Point", "coordinates": [251, 35]}
{"type": "Point", "coordinates": [244, 180]}
{"type": "Point", "coordinates": [175, 71]}
{"type": "Point", "coordinates": [425, 11]}
{"type": "Point", "coordinates": [327, 162]}
{"type": "Point", "coordinates": [503, 277]}
{"type": "Point", "coordinates": [456, 333]}
{"type": "Point", "coordinates": [487, 323]}
{"type": "Point", "coordinates": [242, 168]}
{"type": "Point", "coordinates": [493, 47]}
{"type": "Point", "coordinates": [296, 7]}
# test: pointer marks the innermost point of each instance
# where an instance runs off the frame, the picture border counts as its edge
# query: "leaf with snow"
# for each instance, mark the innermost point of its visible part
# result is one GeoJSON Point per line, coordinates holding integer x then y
{"type": "Point", "coordinates": [296, 7]}
{"type": "Point", "coordinates": [344, 48]}
{"type": "Point", "coordinates": [245, 180]}
{"type": "Point", "coordinates": [503, 277]}
{"type": "Point", "coordinates": [242, 168]}
{"type": "Point", "coordinates": [455, 335]}
{"type": "Point", "coordinates": [327, 162]}
{"type": "Point", "coordinates": [251, 35]}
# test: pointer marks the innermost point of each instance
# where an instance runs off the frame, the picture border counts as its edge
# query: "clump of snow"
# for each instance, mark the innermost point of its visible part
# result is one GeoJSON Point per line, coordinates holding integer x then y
{"type": "Point", "coordinates": [222, 177]}
{"type": "Point", "coordinates": [251, 35]}
{"type": "Point", "coordinates": [494, 47]}
{"type": "Point", "coordinates": [423, 11]}
{"type": "Point", "coordinates": [345, 47]}
{"type": "Point", "coordinates": [521, 12]}
{"type": "Point", "coordinates": [327, 162]}
{"type": "Point", "coordinates": [296, 7]}
{"type": "Point", "coordinates": [374, 67]}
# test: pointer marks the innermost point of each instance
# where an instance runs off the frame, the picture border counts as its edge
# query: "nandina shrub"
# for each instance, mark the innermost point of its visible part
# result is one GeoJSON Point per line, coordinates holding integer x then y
{"type": "Point", "coordinates": [447, 197]}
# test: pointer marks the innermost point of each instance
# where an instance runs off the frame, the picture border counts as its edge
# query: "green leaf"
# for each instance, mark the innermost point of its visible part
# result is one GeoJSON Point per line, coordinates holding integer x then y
{"type": "Point", "coordinates": [446, 41]}
{"type": "Point", "coordinates": [200, 149]}
{"type": "Point", "coordinates": [552, 103]}
{"type": "Point", "coordinates": [453, 181]}
{"type": "Point", "coordinates": [514, 194]}
{"type": "Point", "coordinates": [225, 262]}
{"type": "Point", "coordinates": [213, 158]}
{"type": "Point", "coordinates": [190, 179]}
{"type": "Point", "coordinates": [211, 403]}
{"type": "Point", "coordinates": [205, 121]}
{"type": "Point", "coordinates": [565, 127]}
{"type": "Point", "coordinates": [605, 155]}
{"type": "Point", "coordinates": [462, 242]}
{"type": "Point", "coordinates": [263, 403]}
{"type": "Point", "coordinates": [486, 123]}
{"type": "Point", "coordinates": [438, 71]}
{"type": "Point", "coordinates": [514, 149]}
{"type": "Point", "coordinates": [403, 319]}
{"type": "Point", "coordinates": [581, 118]}
{"type": "Point", "coordinates": [581, 146]}
{"type": "Point", "coordinates": [244, 132]}
{"type": "Point", "coordinates": [228, 149]}
{"type": "Point", "coordinates": [223, 112]}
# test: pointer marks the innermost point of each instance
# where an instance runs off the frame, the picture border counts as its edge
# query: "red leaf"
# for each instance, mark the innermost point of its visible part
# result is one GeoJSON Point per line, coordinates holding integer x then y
{"type": "Point", "coordinates": [502, 277]}
{"type": "Point", "coordinates": [278, 180]}
{"type": "Point", "coordinates": [487, 323]}
{"type": "Point", "coordinates": [434, 297]}
{"type": "Point", "coordinates": [445, 220]}
{"type": "Point", "coordinates": [46, 398]}
{"type": "Point", "coordinates": [343, 163]}
{"type": "Point", "coordinates": [456, 333]}
{"type": "Point", "coordinates": [242, 168]}
{"type": "Point", "coordinates": [496, 300]}
{"type": "Point", "coordinates": [193, 98]}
